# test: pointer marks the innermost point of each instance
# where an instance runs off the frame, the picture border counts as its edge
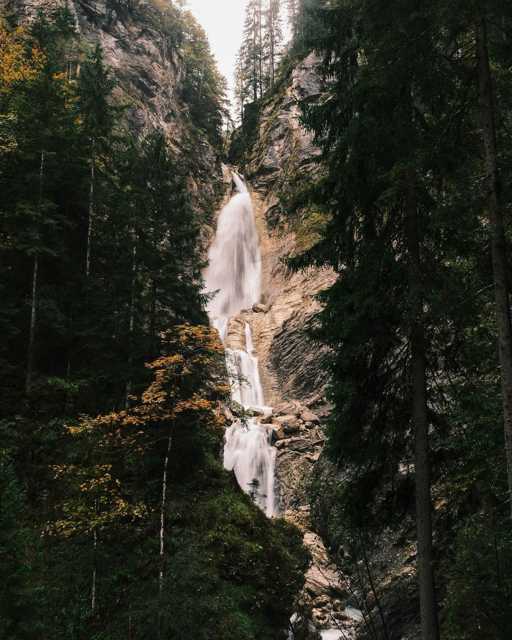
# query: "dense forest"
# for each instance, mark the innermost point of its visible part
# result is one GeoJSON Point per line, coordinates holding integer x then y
{"type": "Point", "coordinates": [409, 202]}
{"type": "Point", "coordinates": [117, 518]}
{"type": "Point", "coordinates": [111, 381]}
{"type": "Point", "coordinates": [413, 203]}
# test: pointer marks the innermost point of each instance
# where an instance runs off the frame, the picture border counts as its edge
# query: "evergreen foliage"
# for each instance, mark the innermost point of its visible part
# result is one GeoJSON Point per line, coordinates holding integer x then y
{"type": "Point", "coordinates": [124, 525]}
{"type": "Point", "coordinates": [400, 130]}
{"type": "Point", "coordinates": [259, 54]}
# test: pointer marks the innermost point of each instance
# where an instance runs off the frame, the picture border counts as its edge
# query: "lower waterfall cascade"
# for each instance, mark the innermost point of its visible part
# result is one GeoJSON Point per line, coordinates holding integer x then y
{"type": "Point", "coordinates": [234, 275]}
{"type": "Point", "coordinates": [233, 278]}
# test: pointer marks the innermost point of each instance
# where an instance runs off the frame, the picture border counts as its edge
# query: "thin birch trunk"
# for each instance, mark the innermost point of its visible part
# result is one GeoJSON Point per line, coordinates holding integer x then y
{"type": "Point", "coordinates": [35, 286]}
{"type": "Point", "coordinates": [131, 323]}
{"type": "Point", "coordinates": [94, 564]}
{"type": "Point", "coordinates": [94, 573]}
{"type": "Point", "coordinates": [90, 224]}
{"type": "Point", "coordinates": [162, 514]}
{"type": "Point", "coordinates": [163, 504]}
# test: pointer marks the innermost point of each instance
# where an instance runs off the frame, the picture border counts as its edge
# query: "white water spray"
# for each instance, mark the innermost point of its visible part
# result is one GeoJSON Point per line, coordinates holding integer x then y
{"type": "Point", "coordinates": [234, 272]}
{"type": "Point", "coordinates": [234, 260]}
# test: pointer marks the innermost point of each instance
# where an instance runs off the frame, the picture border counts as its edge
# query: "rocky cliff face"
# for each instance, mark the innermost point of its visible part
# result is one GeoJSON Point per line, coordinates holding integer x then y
{"type": "Point", "coordinates": [294, 377]}
{"type": "Point", "coordinates": [292, 364]}
{"type": "Point", "coordinates": [136, 37]}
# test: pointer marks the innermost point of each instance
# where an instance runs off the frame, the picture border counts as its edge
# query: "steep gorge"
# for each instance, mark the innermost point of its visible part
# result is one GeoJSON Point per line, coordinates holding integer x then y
{"type": "Point", "coordinates": [340, 598]}
{"type": "Point", "coordinates": [291, 364]}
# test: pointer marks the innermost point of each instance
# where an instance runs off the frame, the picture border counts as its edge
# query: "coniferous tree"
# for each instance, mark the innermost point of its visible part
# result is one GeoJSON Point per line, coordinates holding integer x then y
{"type": "Point", "coordinates": [95, 87]}
{"type": "Point", "coordinates": [273, 39]}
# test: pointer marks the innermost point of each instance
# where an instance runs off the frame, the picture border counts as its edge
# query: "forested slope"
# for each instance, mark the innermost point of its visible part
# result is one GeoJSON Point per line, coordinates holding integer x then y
{"type": "Point", "coordinates": [402, 188]}
{"type": "Point", "coordinates": [117, 519]}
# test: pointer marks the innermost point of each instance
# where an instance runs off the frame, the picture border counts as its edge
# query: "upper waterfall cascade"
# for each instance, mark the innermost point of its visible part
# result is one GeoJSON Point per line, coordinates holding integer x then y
{"type": "Point", "coordinates": [234, 275]}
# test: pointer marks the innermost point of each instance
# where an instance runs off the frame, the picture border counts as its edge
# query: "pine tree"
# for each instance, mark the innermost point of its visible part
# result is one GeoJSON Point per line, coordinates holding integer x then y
{"type": "Point", "coordinates": [386, 131]}
{"type": "Point", "coordinates": [489, 114]}
{"type": "Point", "coordinates": [95, 88]}
{"type": "Point", "coordinates": [273, 39]}
{"type": "Point", "coordinates": [252, 48]}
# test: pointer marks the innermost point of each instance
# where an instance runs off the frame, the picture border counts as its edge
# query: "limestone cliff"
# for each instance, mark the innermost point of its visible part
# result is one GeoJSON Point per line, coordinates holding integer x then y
{"type": "Point", "coordinates": [140, 42]}
{"type": "Point", "coordinates": [292, 364]}
{"type": "Point", "coordinates": [346, 594]}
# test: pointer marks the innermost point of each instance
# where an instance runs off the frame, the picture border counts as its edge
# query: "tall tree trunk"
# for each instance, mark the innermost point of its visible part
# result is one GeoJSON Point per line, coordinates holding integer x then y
{"type": "Point", "coordinates": [33, 324]}
{"type": "Point", "coordinates": [497, 233]}
{"type": "Point", "coordinates": [152, 325]}
{"type": "Point", "coordinates": [35, 287]}
{"type": "Point", "coordinates": [163, 504]}
{"type": "Point", "coordinates": [92, 185]}
{"type": "Point", "coordinates": [94, 575]}
{"type": "Point", "coordinates": [260, 45]}
{"type": "Point", "coordinates": [428, 604]}
{"type": "Point", "coordinates": [255, 55]}
{"type": "Point", "coordinates": [94, 572]}
{"type": "Point", "coordinates": [131, 322]}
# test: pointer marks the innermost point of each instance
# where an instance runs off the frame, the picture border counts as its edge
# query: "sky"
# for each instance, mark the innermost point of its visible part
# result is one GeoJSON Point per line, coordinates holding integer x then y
{"type": "Point", "coordinates": [223, 21]}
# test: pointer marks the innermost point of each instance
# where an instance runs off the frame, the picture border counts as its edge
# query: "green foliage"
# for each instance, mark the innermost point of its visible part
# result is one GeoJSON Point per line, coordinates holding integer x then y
{"type": "Point", "coordinates": [18, 593]}
{"type": "Point", "coordinates": [401, 94]}
{"type": "Point", "coordinates": [225, 557]}
{"type": "Point", "coordinates": [259, 54]}
{"type": "Point", "coordinates": [221, 552]}
{"type": "Point", "coordinates": [245, 136]}
{"type": "Point", "coordinates": [479, 582]}
{"type": "Point", "coordinates": [109, 221]}
{"type": "Point", "coordinates": [109, 218]}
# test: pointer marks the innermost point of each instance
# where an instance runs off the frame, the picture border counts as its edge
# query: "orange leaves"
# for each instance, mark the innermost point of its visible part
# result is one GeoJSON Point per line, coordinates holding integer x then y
{"type": "Point", "coordinates": [189, 383]}
{"type": "Point", "coordinates": [19, 62]}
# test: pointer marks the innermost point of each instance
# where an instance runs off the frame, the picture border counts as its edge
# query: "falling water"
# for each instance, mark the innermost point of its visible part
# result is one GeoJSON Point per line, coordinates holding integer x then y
{"type": "Point", "coordinates": [234, 260]}
{"type": "Point", "coordinates": [234, 272]}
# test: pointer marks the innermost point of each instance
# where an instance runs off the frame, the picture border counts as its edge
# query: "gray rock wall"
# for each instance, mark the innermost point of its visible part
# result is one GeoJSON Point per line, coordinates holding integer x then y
{"type": "Point", "coordinates": [149, 71]}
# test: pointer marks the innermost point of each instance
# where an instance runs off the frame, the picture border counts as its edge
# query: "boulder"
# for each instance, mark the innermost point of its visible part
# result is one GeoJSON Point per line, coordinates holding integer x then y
{"type": "Point", "coordinates": [288, 408]}
{"type": "Point", "coordinates": [278, 434]}
{"type": "Point", "coordinates": [290, 423]}
{"type": "Point", "coordinates": [228, 414]}
{"type": "Point", "coordinates": [309, 416]}
{"type": "Point", "coordinates": [260, 308]}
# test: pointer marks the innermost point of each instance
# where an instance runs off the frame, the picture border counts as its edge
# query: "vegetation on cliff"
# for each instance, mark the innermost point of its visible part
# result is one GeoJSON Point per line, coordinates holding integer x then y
{"type": "Point", "coordinates": [413, 126]}
{"type": "Point", "coordinates": [122, 525]}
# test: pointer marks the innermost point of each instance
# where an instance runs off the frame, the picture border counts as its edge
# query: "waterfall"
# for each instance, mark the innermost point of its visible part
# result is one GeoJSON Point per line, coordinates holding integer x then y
{"type": "Point", "coordinates": [234, 269]}
{"type": "Point", "coordinates": [234, 274]}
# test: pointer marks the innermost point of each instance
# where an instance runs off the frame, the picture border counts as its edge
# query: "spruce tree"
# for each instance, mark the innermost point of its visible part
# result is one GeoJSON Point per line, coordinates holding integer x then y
{"type": "Point", "coordinates": [273, 39]}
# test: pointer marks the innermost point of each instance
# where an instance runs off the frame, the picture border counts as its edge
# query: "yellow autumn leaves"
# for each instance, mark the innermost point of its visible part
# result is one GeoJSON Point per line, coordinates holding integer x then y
{"type": "Point", "coordinates": [20, 61]}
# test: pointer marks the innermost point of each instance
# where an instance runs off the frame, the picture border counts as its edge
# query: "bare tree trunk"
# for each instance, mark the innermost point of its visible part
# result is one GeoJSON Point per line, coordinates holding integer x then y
{"type": "Point", "coordinates": [35, 286]}
{"type": "Point", "coordinates": [371, 582]}
{"type": "Point", "coordinates": [497, 235]}
{"type": "Point", "coordinates": [94, 564]}
{"type": "Point", "coordinates": [131, 322]}
{"type": "Point", "coordinates": [130, 625]}
{"type": "Point", "coordinates": [260, 45]}
{"type": "Point", "coordinates": [163, 504]}
{"type": "Point", "coordinates": [162, 513]}
{"type": "Point", "coordinates": [152, 327]}
{"type": "Point", "coordinates": [254, 56]}
{"type": "Point", "coordinates": [428, 604]}
{"type": "Point", "coordinates": [33, 325]}
{"type": "Point", "coordinates": [94, 573]}
{"type": "Point", "coordinates": [90, 224]}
